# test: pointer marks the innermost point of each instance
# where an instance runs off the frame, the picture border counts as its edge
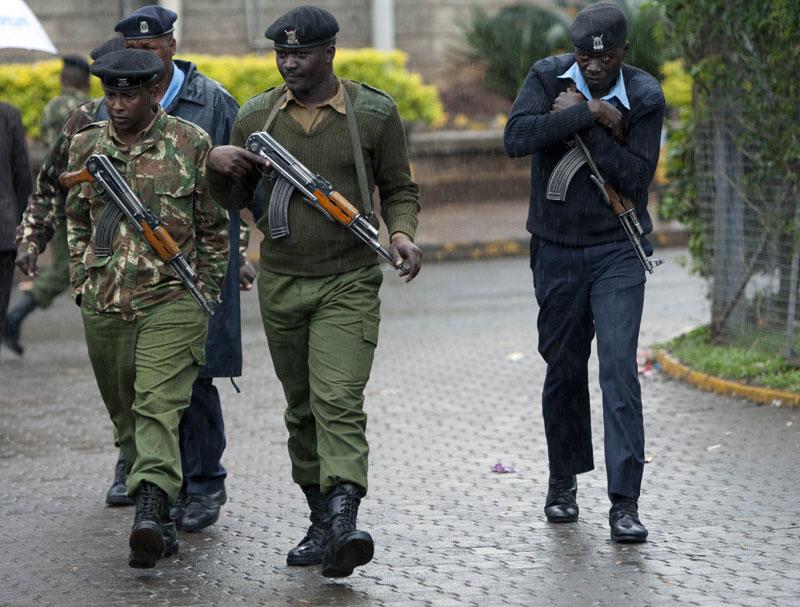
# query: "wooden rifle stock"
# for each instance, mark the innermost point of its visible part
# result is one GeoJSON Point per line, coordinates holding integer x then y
{"type": "Point", "coordinates": [68, 180]}
{"type": "Point", "coordinates": [619, 203]}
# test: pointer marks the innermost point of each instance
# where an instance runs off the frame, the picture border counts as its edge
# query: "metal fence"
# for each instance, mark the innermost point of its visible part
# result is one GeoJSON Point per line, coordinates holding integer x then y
{"type": "Point", "coordinates": [751, 225]}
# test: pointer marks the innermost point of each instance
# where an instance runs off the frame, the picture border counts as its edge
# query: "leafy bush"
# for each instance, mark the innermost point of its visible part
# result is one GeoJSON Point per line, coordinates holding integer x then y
{"type": "Point", "coordinates": [512, 40]}
{"type": "Point", "coordinates": [509, 42]}
{"type": "Point", "coordinates": [30, 86]}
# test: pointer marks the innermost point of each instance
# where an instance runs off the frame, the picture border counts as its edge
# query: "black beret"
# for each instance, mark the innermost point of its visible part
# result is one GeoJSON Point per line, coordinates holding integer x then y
{"type": "Point", "coordinates": [599, 28]}
{"type": "Point", "coordinates": [76, 61]}
{"type": "Point", "coordinates": [127, 69]}
{"type": "Point", "coordinates": [112, 44]}
{"type": "Point", "coordinates": [147, 22]}
{"type": "Point", "coordinates": [302, 27]}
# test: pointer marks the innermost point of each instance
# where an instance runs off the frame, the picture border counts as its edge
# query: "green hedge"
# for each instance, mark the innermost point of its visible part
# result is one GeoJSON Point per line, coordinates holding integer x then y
{"type": "Point", "coordinates": [30, 86]}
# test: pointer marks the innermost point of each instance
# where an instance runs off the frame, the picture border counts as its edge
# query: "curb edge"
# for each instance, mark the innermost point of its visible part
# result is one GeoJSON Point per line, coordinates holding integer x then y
{"type": "Point", "coordinates": [710, 383]}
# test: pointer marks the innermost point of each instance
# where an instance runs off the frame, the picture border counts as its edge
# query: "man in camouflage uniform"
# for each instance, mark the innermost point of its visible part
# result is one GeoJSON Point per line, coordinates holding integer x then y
{"type": "Point", "coordinates": [318, 286]}
{"type": "Point", "coordinates": [145, 334]}
{"type": "Point", "coordinates": [55, 280]}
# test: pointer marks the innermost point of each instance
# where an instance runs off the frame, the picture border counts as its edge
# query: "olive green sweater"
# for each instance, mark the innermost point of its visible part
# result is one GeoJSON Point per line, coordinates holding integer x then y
{"type": "Point", "coordinates": [316, 246]}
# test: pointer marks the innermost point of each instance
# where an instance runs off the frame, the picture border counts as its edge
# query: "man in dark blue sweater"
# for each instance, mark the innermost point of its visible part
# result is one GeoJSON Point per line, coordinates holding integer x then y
{"type": "Point", "coordinates": [587, 277]}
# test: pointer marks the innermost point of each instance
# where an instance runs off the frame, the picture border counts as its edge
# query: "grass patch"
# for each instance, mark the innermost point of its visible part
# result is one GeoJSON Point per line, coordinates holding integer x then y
{"type": "Point", "coordinates": [748, 365]}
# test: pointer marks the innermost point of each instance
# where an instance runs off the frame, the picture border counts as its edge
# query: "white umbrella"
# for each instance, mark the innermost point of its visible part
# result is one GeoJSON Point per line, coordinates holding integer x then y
{"type": "Point", "coordinates": [19, 28]}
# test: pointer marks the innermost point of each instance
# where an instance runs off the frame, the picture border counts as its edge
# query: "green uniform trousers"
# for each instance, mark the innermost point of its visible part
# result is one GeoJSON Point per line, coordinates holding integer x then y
{"type": "Point", "coordinates": [322, 334]}
{"type": "Point", "coordinates": [55, 279]}
{"type": "Point", "coordinates": [145, 369]}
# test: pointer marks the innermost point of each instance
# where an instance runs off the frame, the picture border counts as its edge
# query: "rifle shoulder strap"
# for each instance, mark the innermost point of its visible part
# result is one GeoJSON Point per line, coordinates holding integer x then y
{"type": "Point", "coordinates": [358, 154]}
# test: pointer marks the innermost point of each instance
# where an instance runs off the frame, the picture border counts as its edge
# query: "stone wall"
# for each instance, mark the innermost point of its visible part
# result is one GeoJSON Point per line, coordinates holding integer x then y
{"type": "Point", "coordinates": [428, 30]}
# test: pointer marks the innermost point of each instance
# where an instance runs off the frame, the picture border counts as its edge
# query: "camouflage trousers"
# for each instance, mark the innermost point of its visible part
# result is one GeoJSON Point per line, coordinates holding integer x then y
{"type": "Point", "coordinates": [55, 280]}
{"type": "Point", "coordinates": [322, 334]}
{"type": "Point", "coordinates": [145, 369]}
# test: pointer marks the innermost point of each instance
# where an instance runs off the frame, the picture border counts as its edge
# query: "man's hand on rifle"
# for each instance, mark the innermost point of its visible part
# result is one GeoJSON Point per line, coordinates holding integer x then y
{"type": "Point", "coordinates": [233, 161]}
{"type": "Point", "coordinates": [403, 250]}
{"type": "Point", "coordinates": [26, 260]}
{"type": "Point", "coordinates": [247, 276]}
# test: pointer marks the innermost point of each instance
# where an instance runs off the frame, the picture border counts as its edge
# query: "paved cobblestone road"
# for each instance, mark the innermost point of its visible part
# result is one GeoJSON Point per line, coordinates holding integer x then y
{"type": "Point", "coordinates": [454, 390]}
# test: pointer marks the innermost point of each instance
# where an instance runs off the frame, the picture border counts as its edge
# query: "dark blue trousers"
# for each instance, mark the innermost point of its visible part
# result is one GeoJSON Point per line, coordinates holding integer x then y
{"type": "Point", "coordinates": [202, 439]}
{"type": "Point", "coordinates": [582, 292]}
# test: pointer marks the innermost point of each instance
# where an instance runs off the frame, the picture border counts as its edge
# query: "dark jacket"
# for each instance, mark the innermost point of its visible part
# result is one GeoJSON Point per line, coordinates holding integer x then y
{"type": "Point", "coordinates": [584, 219]}
{"type": "Point", "coordinates": [15, 175]}
{"type": "Point", "coordinates": [205, 103]}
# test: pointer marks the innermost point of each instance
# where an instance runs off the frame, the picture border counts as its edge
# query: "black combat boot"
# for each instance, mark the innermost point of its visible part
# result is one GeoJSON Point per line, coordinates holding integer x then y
{"type": "Point", "coordinates": [561, 505]}
{"type": "Point", "coordinates": [311, 548]}
{"type": "Point", "coordinates": [623, 518]}
{"type": "Point", "coordinates": [153, 534]}
{"type": "Point", "coordinates": [345, 546]}
{"type": "Point", "coordinates": [117, 494]}
{"type": "Point", "coordinates": [14, 319]}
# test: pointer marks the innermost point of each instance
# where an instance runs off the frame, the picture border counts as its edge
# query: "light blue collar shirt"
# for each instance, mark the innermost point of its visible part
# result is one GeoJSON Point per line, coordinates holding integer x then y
{"type": "Point", "coordinates": [174, 86]}
{"type": "Point", "coordinates": [618, 90]}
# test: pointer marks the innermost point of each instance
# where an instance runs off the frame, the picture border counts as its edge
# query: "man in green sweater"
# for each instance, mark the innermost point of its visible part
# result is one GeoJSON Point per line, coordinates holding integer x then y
{"type": "Point", "coordinates": [318, 286]}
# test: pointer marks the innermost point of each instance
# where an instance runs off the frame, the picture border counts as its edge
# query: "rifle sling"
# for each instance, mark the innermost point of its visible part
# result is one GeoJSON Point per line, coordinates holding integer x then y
{"type": "Point", "coordinates": [106, 226]}
{"type": "Point", "coordinates": [278, 216]}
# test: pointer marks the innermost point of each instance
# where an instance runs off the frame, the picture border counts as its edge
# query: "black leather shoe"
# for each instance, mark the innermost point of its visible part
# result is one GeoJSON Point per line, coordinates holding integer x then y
{"type": "Point", "coordinates": [14, 319]}
{"type": "Point", "coordinates": [311, 549]}
{"type": "Point", "coordinates": [117, 494]}
{"type": "Point", "coordinates": [623, 518]}
{"type": "Point", "coordinates": [345, 546]}
{"type": "Point", "coordinates": [201, 510]}
{"type": "Point", "coordinates": [153, 535]}
{"type": "Point", "coordinates": [561, 505]}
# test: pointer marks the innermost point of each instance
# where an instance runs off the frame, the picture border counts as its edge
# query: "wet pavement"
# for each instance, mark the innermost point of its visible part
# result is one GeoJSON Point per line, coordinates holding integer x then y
{"type": "Point", "coordinates": [454, 391]}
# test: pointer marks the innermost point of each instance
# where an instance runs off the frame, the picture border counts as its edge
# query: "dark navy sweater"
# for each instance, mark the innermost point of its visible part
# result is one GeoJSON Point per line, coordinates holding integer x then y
{"type": "Point", "coordinates": [584, 219]}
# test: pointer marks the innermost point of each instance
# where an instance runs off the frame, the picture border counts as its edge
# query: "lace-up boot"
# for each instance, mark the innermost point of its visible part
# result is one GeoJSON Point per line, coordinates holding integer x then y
{"type": "Point", "coordinates": [561, 505]}
{"type": "Point", "coordinates": [117, 494]}
{"type": "Point", "coordinates": [311, 548]}
{"type": "Point", "coordinates": [345, 546]}
{"type": "Point", "coordinates": [153, 535]}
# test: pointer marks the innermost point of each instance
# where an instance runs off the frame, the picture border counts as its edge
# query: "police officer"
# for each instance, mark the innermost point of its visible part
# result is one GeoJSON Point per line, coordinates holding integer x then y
{"type": "Point", "coordinates": [145, 334]}
{"type": "Point", "coordinates": [587, 278]}
{"type": "Point", "coordinates": [184, 92]}
{"type": "Point", "coordinates": [318, 287]}
{"type": "Point", "coordinates": [55, 280]}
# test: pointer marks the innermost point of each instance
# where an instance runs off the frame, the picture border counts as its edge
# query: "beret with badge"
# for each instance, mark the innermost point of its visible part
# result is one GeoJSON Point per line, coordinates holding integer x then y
{"type": "Point", "coordinates": [112, 44]}
{"type": "Point", "coordinates": [599, 28]}
{"type": "Point", "coordinates": [303, 27]}
{"type": "Point", "coordinates": [147, 22]}
{"type": "Point", "coordinates": [127, 69]}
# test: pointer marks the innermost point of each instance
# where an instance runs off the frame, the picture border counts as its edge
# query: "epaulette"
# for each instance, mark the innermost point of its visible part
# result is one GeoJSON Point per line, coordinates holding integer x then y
{"type": "Point", "coordinates": [92, 125]}
{"type": "Point", "coordinates": [373, 101]}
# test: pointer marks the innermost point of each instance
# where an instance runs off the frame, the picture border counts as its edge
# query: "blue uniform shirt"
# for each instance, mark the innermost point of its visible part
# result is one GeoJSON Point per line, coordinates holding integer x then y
{"type": "Point", "coordinates": [618, 90]}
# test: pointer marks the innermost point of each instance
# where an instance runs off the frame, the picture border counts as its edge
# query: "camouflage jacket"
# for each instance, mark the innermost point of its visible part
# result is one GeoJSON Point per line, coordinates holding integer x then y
{"type": "Point", "coordinates": [56, 111]}
{"type": "Point", "coordinates": [165, 167]}
{"type": "Point", "coordinates": [46, 205]}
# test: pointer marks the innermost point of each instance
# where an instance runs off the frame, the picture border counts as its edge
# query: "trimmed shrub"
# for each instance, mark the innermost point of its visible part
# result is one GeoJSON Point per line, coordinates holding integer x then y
{"type": "Point", "coordinates": [30, 86]}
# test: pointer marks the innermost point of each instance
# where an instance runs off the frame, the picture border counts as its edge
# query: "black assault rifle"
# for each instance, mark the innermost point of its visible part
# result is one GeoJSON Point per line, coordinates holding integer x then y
{"type": "Point", "coordinates": [109, 184]}
{"type": "Point", "coordinates": [315, 190]}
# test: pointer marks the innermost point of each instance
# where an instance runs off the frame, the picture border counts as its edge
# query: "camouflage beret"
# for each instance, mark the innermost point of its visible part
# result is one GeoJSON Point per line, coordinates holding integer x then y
{"type": "Point", "coordinates": [302, 27]}
{"type": "Point", "coordinates": [112, 44]}
{"type": "Point", "coordinates": [599, 28]}
{"type": "Point", "coordinates": [127, 69]}
{"type": "Point", "coordinates": [147, 22]}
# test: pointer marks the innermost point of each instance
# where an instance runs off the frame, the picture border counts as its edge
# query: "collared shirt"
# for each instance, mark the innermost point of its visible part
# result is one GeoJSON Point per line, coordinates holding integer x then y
{"type": "Point", "coordinates": [310, 117]}
{"type": "Point", "coordinates": [174, 86]}
{"type": "Point", "coordinates": [618, 90]}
